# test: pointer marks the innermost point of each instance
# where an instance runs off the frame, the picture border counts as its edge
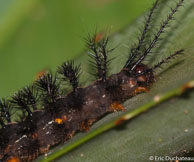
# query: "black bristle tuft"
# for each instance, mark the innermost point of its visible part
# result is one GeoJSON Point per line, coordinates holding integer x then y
{"type": "Point", "coordinates": [20, 102]}
{"type": "Point", "coordinates": [2, 123]}
{"type": "Point", "coordinates": [5, 114]}
{"type": "Point", "coordinates": [25, 100]}
{"type": "Point", "coordinates": [31, 95]}
{"type": "Point", "coordinates": [71, 73]}
{"type": "Point", "coordinates": [99, 54]}
{"type": "Point", "coordinates": [49, 90]}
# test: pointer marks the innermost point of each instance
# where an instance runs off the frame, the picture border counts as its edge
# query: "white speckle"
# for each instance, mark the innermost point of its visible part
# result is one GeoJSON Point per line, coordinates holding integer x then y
{"type": "Point", "coordinates": [69, 119]}
{"type": "Point", "coordinates": [103, 96]}
{"type": "Point", "coordinates": [186, 130]}
{"type": "Point", "coordinates": [157, 98]}
{"type": "Point", "coordinates": [81, 154]}
{"type": "Point", "coordinates": [47, 124]}
{"type": "Point", "coordinates": [89, 101]}
{"type": "Point", "coordinates": [24, 136]}
{"type": "Point", "coordinates": [132, 85]}
{"type": "Point", "coordinates": [20, 147]}
{"type": "Point", "coordinates": [71, 110]}
{"type": "Point", "coordinates": [48, 132]}
{"type": "Point", "coordinates": [50, 122]}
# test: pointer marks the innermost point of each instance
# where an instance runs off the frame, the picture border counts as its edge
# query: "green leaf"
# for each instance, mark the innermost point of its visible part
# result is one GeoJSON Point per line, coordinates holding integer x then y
{"type": "Point", "coordinates": [166, 130]}
{"type": "Point", "coordinates": [41, 34]}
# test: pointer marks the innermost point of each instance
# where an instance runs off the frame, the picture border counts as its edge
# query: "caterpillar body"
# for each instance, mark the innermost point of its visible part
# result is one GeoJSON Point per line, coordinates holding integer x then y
{"type": "Point", "coordinates": [61, 116]}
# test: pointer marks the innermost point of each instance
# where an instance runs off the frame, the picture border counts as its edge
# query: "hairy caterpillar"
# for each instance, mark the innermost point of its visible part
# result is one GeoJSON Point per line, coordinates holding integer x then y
{"type": "Point", "coordinates": [64, 115]}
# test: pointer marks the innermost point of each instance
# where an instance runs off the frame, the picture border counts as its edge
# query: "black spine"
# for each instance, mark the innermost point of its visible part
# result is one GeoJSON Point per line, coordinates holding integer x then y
{"type": "Point", "coordinates": [99, 54]}
{"type": "Point", "coordinates": [5, 108]}
{"type": "Point", "coordinates": [49, 91]}
{"type": "Point", "coordinates": [134, 51]}
{"type": "Point", "coordinates": [20, 102]}
{"type": "Point", "coordinates": [25, 101]}
{"type": "Point", "coordinates": [156, 38]}
{"type": "Point", "coordinates": [71, 73]}
{"type": "Point", "coordinates": [168, 58]}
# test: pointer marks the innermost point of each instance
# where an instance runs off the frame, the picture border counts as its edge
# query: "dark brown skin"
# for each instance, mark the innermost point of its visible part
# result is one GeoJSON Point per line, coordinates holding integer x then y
{"type": "Point", "coordinates": [98, 99]}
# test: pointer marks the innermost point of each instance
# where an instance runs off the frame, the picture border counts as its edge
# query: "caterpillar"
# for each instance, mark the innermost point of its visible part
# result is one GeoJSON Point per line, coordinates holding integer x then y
{"type": "Point", "coordinates": [48, 117]}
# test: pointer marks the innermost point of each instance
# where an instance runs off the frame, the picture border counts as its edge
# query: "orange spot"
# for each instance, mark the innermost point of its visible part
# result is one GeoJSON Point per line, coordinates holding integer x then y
{"type": "Point", "coordinates": [119, 121]}
{"type": "Point", "coordinates": [99, 37]}
{"type": "Point", "coordinates": [34, 135]}
{"type": "Point", "coordinates": [61, 120]}
{"type": "Point", "coordinates": [14, 159]}
{"type": "Point", "coordinates": [91, 121]}
{"type": "Point", "coordinates": [7, 149]}
{"type": "Point", "coordinates": [142, 78]}
{"type": "Point", "coordinates": [125, 69]}
{"type": "Point", "coordinates": [115, 106]}
{"type": "Point", "coordinates": [58, 120]}
{"type": "Point", "coordinates": [44, 150]}
{"type": "Point", "coordinates": [84, 126]}
{"type": "Point", "coordinates": [140, 90]}
{"type": "Point", "coordinates": [40, 74]}
{"type": "Point", "coordinates": [132, 83]}
{"type": "Point", "coordinates": [187, 86]}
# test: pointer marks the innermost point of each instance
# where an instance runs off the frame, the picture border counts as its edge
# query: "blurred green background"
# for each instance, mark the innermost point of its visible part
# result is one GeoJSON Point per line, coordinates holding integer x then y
{"type": "Point", "coordinates": [37, 35]}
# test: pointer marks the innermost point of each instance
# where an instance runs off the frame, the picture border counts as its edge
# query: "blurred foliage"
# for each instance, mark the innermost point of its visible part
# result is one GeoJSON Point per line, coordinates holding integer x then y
{"type": "Point", "coordinates": [37, 35]}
